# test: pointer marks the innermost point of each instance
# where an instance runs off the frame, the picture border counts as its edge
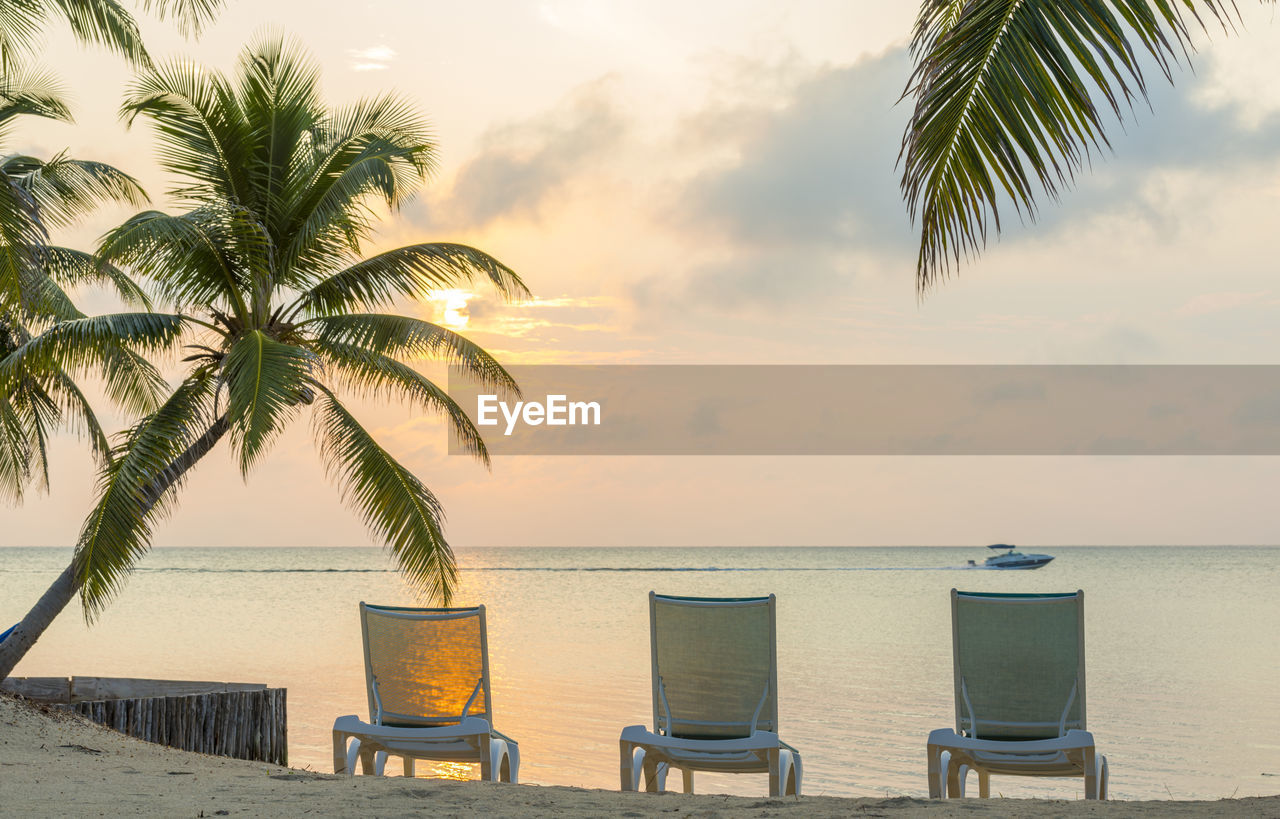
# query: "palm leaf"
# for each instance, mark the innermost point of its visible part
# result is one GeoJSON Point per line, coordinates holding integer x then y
{"type": "Point", "coordinates": [110, 345]}
{"type": "Point", "coordinates": [104, 23]}
{"type": "Point", "coordinates": [30, 93]}
{"type": "Point", "coordinates": [395, 505]}
{"type": "Point", "coordinates": [266, 381]}
{"type": "Point", "coordinates": [190, 16]}
{"type": "Point", "coordinates": [377, 149]}
{"type": "Point", "coordinates": [408, 272]}
{"type": "Point", "coordinates": [373, 375]}
{"type": "Point", "coordinates": [203, 136]}
{"type": "Point", "coordinates": [65, 189]}
{"type": "Point", "coordinates": [401, 336]}
{"type": "Point", "coordinates": [1004, 107]}
{"type": "Point", "coordinates": [190, 259]}
{"type": "Point", "coordinates": [73, 268]}
{"type": "Point", "coordinates": [118, 530]}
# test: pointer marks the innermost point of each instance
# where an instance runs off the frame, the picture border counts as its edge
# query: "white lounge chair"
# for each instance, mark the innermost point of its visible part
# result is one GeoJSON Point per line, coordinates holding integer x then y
{"type": "Point", "coordinates": [1019, 694]}
{"type": "Point", "coordinates": [715, 695]}
{"type": "Point", "coordinates": [427, 673]}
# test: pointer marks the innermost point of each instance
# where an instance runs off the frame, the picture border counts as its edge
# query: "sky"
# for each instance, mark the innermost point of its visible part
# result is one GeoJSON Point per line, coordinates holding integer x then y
{"type": "Point", "coordinates": [715, 183]}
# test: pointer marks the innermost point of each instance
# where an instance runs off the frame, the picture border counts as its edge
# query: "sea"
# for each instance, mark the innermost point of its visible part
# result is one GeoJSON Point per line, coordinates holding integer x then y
{"type": "Point", "coordinates": [1182, 643]}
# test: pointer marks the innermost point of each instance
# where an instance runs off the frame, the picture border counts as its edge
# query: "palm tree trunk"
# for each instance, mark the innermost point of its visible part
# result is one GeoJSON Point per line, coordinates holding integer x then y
{"type": "Point", "coordinates": [55, 599]}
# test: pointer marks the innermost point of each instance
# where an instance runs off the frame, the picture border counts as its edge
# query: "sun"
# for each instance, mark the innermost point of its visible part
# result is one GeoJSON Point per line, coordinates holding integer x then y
{"type": "Point", "coordinates": [454, 306]}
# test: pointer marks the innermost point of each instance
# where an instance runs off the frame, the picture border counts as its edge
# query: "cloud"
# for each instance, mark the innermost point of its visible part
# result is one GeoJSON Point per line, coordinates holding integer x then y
{"type": "Point", "coordinates": [374, 58]}
{"type": "Point", "coordinates": [817, 169]}
{"type": "Point", "coordinates": [1189, 128]}
{"type": "Point", "coordinates": [808, 200]}
{"type": "Point", "coordinates": [521, 165]}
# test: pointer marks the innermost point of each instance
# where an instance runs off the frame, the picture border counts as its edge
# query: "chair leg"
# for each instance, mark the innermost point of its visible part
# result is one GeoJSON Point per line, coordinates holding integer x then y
{"type": "Point", "coordinates": [627, 766]}
{"type": "Point", "coordinates": [957, 773]}
{"type": "Point", "coordinates": [793, 778]}
{"type": "Point", "coordinates": [664, 768]}
{"type": "Point", "coordinates": [1090, 774]}
{"type": "Point", "coordinates": [379, 763]}
{"type": "Point", "coordinates": [775, 772]}
{"type": "Point", "coordinates": [366, 760]}
{"type": "Point", "coordinates": [340, 765]}
{"type": "Point", "coordinates": [938, 761]}
{"type": "Point", "coordinates": [984, 784]}
{"type": "Point", "coordinates": [1102, 777]}
{"type": "Point", "coordinates": [651, 774]}
{"type": "Point", "coordinates": [688, 780]}
{"type": "Point", "coordinates": [408, 765]}
{"type": "Point", "coordinates": [513, 764]}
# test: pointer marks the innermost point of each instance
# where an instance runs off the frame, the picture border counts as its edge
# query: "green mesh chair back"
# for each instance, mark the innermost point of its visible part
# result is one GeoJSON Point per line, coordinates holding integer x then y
{"type": "Point", "coordinates": [714, 666]}
{"type": "Point", "coordinates": [1019, 664]}
{"type": "Point", "coordinates": [425, 667]}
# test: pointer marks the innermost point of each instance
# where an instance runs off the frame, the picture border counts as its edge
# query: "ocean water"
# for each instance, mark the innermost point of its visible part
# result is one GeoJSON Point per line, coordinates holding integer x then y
{"type": "Point", "coordinates": [1183, 657]}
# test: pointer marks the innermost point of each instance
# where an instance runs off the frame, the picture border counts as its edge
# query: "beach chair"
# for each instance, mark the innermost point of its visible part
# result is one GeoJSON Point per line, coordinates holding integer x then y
{"type": "Point", "coordinates": [1019, 694]}
{"type": "Point", "coordinates": [427, 674]}
{"type": "Point", "coordinates": [715, 695]}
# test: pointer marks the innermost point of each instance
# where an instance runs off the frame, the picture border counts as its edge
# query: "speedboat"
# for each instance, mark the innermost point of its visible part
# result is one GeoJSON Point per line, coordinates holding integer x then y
{"type": "Point", "coordinates": [1011, 559]}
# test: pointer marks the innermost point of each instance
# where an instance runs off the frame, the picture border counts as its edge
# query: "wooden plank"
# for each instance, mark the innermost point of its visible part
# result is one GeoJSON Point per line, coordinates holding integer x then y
{"type": "Point", "coordinates": [113, 688]}
{"type": "Point", "coordinates": [45, 689]}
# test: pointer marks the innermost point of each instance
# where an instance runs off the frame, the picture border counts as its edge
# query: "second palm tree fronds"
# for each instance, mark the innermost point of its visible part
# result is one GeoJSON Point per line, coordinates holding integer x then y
{"type": "Point", "coordinates": [1010, 99]}
{"type": "Point", "coordinates": [37, 196]}
{"type": "Point", "coordinates": [264, 282]}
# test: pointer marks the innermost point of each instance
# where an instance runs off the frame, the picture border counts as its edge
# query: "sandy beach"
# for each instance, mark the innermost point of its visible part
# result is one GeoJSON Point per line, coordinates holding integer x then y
{"type": "Point", "coordinates": [56, 764]}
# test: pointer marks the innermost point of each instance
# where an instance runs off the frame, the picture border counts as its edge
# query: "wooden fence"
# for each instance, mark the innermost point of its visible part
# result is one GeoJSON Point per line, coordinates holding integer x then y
{"type": "Point", "coordinates": [239, 720]}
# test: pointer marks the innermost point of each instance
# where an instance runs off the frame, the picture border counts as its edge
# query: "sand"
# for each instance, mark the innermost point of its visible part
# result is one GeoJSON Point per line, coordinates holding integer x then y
{"type": "Point", "coordinates": [53, 763]}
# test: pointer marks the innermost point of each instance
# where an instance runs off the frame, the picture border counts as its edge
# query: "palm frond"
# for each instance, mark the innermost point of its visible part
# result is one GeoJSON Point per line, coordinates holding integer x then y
{"type": "Point", "coordinates": [83, 421]}
{"type": "Point", "coordinates": [65, 189]}
{"type": "Point", "coordinates": [104, 23]}
{"type": "Point", "coordinates": [377, 376]}
{"type": "Point", "coordinates": [28, 416]}
{"type": "Point", "coordinates": [266, 381]}
{"type": "Point", "coordinates": [109, 345]}
{"type": "Point", "coordinates": [378, 149]}
{"type": "Point", "coordinates": [404, 337]}
{"type": "Point", "coordinates": [1003, 107]}
{"type": "Point", "coordinates": [20, 25]}
{"type": "Point", "coordinates": [33, 93]}
{"type": "Point", "coordinates": [134, 490]}
{"type": "Point", "coordinates": [408, 272]}
{"type": "Point", "coordinates": [22, 237]}
{"type": "Point", "coordinates": [189, 259]}
{"type": "Point", "coordinates": [73, 268]}
{"type": "Point", "coordinates": [394, 504]}
{"type": "Point", "coordinates": [202, 133]}
{"type": "Point", "coordinates": [191, 17]}
{"type": "Point", "coordinates": [16, 457]}
{"type": "Point", "coordinates": [278, 88]}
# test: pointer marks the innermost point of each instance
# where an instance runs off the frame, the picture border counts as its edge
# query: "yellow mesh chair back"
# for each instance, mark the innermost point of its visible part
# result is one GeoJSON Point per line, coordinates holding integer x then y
{"type": "Point", "coordinates": [425, 667]}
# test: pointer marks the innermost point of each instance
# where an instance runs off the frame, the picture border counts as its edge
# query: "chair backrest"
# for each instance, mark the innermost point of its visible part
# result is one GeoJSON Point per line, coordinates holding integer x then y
{"type": "Point", "coordinates": [1019, 664]}
{"type": "Point", "coordinates": [715, 666]}
{"type": "Point", "coordinates": [425, 666]}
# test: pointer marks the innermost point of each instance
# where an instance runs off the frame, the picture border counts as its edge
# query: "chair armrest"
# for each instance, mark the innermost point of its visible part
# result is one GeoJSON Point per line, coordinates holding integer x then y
{"type": "Point", "coordinates": [758, 741]}
{"type": "Point", "coordinates": [1073, 740]}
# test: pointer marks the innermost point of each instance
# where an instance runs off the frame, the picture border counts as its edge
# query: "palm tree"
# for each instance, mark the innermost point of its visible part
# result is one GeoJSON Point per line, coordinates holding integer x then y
{"type": "Point", "coordinates": [104, 23]}
{"type": "Point", "coordinates": [37, 196]}
{"type": "Point", "coordinates": [1008, 102]}
{"type": "Point", "coordinates": [265, 284]}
